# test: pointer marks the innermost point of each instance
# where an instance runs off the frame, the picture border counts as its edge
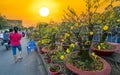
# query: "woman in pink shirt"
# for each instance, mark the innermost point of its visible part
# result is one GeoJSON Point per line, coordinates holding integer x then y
{"type": "Point", "coordinates": [15, 38]}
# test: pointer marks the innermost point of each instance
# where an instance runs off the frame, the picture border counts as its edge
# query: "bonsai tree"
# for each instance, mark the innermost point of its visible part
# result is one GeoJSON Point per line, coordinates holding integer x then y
{"type": "Point", "coordinates": [107, 24]}
{"type": "Point", "coordinates": [82, 31]}
{"type": "Point", "coordinates": [50, 36]}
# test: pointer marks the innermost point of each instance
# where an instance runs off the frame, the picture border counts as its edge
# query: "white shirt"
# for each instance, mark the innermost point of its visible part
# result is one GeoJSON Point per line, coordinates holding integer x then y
{"type": "Point", "coordinates": [1, 35]}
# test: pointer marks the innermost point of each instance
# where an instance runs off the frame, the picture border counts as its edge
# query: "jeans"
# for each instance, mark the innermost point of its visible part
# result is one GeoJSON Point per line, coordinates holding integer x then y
{"type": "Point", "coordinates": [14, 49]}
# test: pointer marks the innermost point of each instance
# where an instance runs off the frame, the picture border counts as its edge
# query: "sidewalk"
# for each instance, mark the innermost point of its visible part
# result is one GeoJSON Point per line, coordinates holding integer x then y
{"type": "Point", "coordinates": [42, 64]}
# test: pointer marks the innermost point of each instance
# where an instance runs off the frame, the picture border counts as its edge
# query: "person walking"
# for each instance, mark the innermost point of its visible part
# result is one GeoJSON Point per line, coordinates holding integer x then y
{"type": "Point", "coordinates": [15, 38]}
{"type": "Point", "coordinates": [5, 36]}
{"type": "Point", "coordinates": [10, 30]}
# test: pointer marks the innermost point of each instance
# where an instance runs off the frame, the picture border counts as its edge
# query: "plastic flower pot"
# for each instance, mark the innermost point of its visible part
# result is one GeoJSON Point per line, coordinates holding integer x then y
{"type": "Point", "coordinates": [47, 60]}
{"type": "Point", "coordinates": [40, 50]}
{"type": "Point", "coordinates": [106, 52]}
{"type": "Point", "coordinates": [55, 72]}
{"type": "Point", "coordinates": [105, 71]}
{"type": "Point", "coordinates": [44, 50]}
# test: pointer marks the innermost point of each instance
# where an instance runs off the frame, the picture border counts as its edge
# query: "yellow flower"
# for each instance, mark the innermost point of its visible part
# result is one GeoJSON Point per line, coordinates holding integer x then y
{"type": "Point", "coordinates": [58, 47]}
{"type": "Point", "coordinates": [68, 51]}
{"type": "Point", "coordinates": [62, 57]}
{"type": "Point", "coordinates": [118, 20]}
{"type": "Point", "coordinates": [62, 40]}
{"type": "Point", "coordinates": [54, 27]}
{"type": "Point", "coordinates": [71, 27]}
{"type": "Point", "coordinates": [42, 41]}
{"type": "Point", "coordinates": [67, 35]}
{"type": "Point", "coordinates": [72, 45]}
{"type": "Point", "coordinates": [93, 54]}
{"type": "Point", "coordinates": [76, 24]}
{"type": "Point", "coordinates": [99, 21]}
{"type": "Point", "coordinates": [99, 47]}
{"type": "Point", "coordinates": [105, 27]}
{"type": "Point", "coordinates": [91, 33]}
{"type": "Point", "coordinates": [54, 53]}
{"type": "Point", "coordinates": [101, 44]}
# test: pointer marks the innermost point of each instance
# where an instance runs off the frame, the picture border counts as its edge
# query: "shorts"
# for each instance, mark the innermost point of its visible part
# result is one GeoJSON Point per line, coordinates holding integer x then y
{"type": "Point", "coordinates": [14, 49]}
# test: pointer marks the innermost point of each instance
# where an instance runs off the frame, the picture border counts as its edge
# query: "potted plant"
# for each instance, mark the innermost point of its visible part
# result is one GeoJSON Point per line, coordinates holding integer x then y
{"type": "Point", "coordinates": [51, 39]}
{"type": "Point", "coordinates": [47, 58]}
{"type": "Point", "coordinates": [41, 27]}
{"type": "Point", "coordinates": [85, 62]}
{"type": "Point", "coordinates": [102, 47]}
{"type": "Point", "coordinates": [83, 56]}
{"type": "Point", "coordinates": [54, 69]}
{"type": "Point", "coordinates": [98, 67]}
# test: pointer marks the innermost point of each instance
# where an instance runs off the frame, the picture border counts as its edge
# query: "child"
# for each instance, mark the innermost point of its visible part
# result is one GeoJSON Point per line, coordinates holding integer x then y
{"type": "Point", "coordinates": [31, 45]}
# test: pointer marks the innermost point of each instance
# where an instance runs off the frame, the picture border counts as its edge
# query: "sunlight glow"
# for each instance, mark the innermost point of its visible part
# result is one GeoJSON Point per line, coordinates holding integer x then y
{"type": "Point", "coordinates": [44, 11]}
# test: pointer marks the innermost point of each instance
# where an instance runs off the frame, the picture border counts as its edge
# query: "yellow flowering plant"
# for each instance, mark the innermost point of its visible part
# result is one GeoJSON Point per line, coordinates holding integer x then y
{"type": "Point", "coordinates": [103, 46]}
{"type": "Point", "coordinates": [70, 48]}
{"type": "Point", "coordinates": [58, 56]}
{"type": "Point", "coordinates": [104, 33]}
{"type": "Point", "coordinates": [81, 34]}
{"type": "Point", "coordinates": [50, 37]}
{"type": "Point", "coordinates": [77, 34]}
{"type": "Point", "coordinates": [40, 28]}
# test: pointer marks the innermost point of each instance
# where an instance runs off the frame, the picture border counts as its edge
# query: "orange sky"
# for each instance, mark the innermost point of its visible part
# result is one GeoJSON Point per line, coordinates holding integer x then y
{"type": "Point", "coordinates": [28, 10]}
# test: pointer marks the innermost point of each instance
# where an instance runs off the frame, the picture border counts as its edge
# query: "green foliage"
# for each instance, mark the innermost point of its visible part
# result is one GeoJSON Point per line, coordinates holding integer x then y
{"type": "Point", "coordinates": [104, 46]}
{"type": "Point", "coordinates": [54, 68]}
{"type": "Point", "coordinates": [3, 22]}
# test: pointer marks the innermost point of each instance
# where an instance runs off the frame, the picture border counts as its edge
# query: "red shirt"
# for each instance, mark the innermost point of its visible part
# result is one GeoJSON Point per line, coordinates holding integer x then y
{"type": "Point", "coordinates": [15, 39]}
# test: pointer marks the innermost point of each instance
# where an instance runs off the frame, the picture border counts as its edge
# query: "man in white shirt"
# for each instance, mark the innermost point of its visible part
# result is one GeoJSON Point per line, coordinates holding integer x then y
{"type": "Point", "coordinates": [1, 37]}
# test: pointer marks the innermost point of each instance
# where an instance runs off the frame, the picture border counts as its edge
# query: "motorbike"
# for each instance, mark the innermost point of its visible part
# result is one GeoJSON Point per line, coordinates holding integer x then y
{"type": "Point", "coordinates": [6, 44]}
{"type": "Point", "coordinates": [1, 40]}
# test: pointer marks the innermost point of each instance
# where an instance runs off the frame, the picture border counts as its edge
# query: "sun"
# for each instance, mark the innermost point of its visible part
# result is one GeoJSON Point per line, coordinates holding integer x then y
{"type": "Point", "coordinates": [44, 11]}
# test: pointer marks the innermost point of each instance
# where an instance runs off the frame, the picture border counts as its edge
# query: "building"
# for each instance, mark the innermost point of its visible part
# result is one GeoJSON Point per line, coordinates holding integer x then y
{"type": "Point", "coordinates": [13, 23]}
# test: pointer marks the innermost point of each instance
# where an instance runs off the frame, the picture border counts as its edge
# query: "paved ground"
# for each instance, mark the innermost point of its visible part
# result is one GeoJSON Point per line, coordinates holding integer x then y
{"type": "Point", "coordinates": [28, 66]}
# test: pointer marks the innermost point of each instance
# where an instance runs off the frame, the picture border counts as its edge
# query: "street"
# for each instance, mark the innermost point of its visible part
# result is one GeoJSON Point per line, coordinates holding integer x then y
{"type": "Point", "coordinates": [28, 66]}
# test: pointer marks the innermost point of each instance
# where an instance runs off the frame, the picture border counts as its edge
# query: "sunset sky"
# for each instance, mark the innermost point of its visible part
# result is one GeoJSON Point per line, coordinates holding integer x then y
{"type": "Point", "coordinates": [28, 10]}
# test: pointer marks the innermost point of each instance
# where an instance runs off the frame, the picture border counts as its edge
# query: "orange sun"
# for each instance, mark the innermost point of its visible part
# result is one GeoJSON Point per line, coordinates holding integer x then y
{"type": "Point", "coordinates": [44, 11]}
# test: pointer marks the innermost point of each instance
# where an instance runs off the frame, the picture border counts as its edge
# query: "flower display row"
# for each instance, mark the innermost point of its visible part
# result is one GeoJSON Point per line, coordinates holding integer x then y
{"type": "Point", "coordinates": [71, 42]}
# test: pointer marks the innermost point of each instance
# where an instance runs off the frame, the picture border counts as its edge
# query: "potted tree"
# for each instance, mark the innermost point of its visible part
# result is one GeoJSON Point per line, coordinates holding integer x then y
{"type": "Point", "coordinates": [84, 61]}
{"type": "Point", "coordinates": [104, 47]}
{"type": "Point", "coordinates": [51, 39]}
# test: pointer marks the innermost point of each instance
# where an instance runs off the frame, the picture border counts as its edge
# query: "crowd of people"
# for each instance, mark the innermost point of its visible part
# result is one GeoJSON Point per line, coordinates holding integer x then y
{"type": "Point", "coordinates": [13, 37]}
